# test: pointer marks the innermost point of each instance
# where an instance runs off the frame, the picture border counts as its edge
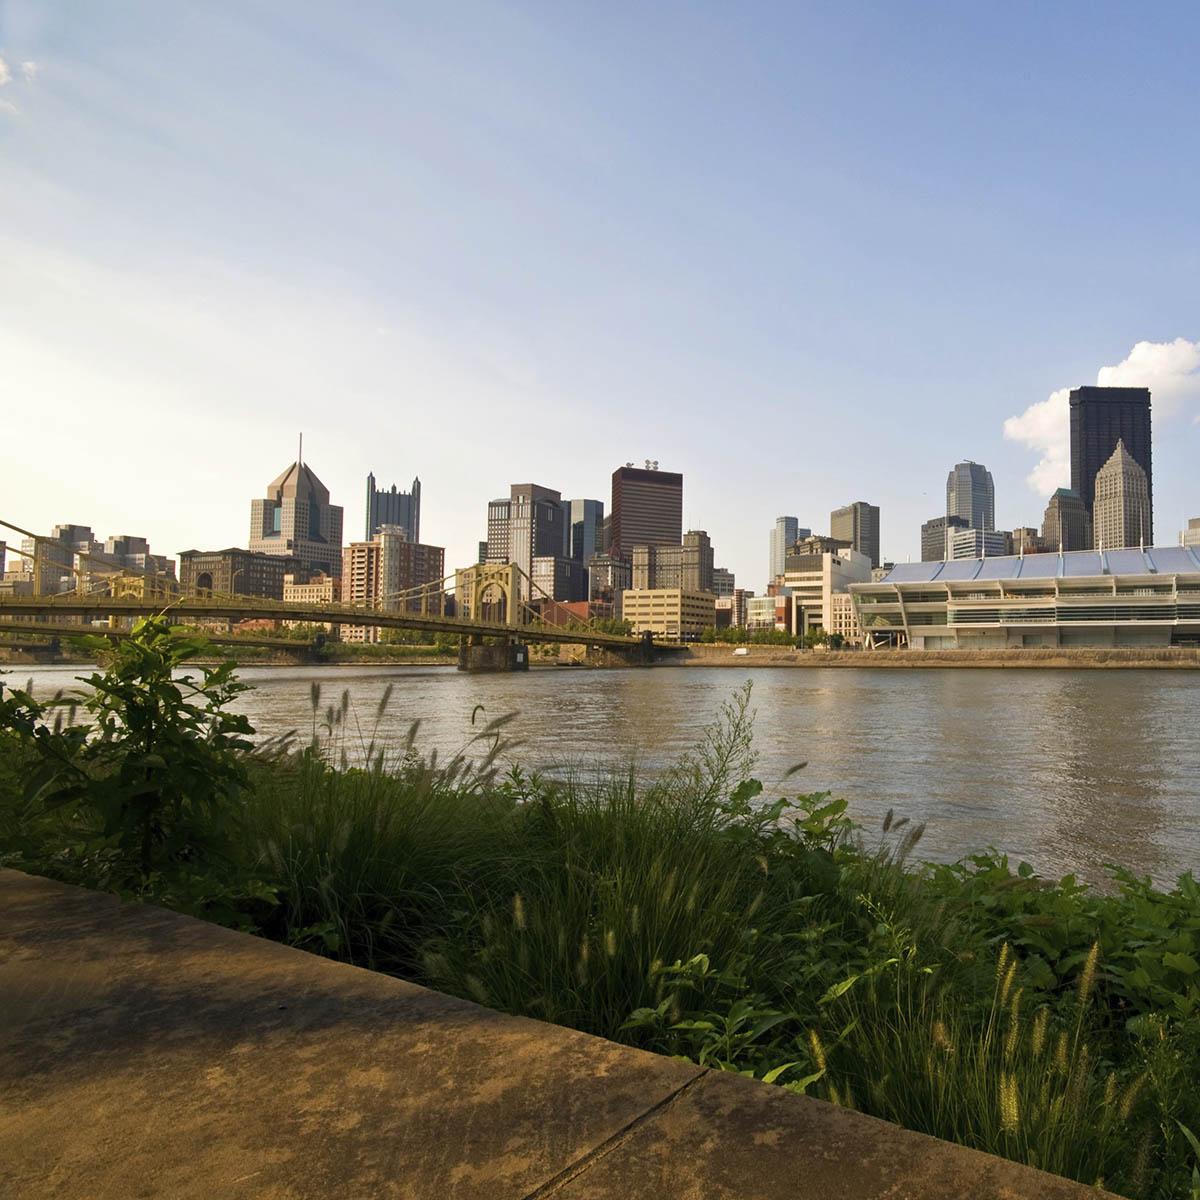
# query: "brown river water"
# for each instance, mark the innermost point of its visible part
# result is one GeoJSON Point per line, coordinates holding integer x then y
{"type": "Point", "coordinates": [1068, 770]}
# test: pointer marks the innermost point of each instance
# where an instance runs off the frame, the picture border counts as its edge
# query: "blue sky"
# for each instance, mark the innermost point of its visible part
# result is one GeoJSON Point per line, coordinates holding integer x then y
{"type": "Point", "coordinates": [803, 253]}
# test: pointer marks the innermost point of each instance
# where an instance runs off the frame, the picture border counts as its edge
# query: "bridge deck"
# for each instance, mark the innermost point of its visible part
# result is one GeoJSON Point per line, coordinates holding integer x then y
{"type": "Point", "coordinates": [248, 608]}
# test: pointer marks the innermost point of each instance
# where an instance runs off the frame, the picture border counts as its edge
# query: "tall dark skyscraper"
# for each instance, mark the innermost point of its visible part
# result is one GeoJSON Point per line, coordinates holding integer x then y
{"type": "Point", "coordinates": [647, 509]}
{"type": "Point", "coordinates": [585, 536]}
{"type": "Point", "coordinates": [858, 524]}
{"type": "Point", "coordinates": [392, 507]}
{"type": "Point", "coordinates": [1100, 418]}
{"type": "Point", "coordinates": [529, 528]}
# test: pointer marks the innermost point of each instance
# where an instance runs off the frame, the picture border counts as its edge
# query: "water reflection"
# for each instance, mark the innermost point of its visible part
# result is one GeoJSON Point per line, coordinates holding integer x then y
{"type": "Point", "coordinates": [1067, 769]}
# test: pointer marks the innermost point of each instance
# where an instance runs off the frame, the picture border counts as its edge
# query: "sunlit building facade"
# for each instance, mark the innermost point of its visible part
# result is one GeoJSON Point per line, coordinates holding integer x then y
{"type": "Point", "coordinates": [1082, 598]}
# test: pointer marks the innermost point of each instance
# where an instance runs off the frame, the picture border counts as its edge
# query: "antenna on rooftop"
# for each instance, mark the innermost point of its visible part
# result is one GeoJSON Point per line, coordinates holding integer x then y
{"type": "Point", "coordinates": [300, 452]}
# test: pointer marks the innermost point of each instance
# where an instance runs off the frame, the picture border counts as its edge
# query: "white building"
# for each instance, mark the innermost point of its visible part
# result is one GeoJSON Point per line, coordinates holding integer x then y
{"type": "Point", "coordinates": [767, 612]}
{"type": "Point", "coordinates": [814, 579]}
{"type": "Point", "coordinates": [975, 543]}
{"type": "Point", "coordinates": [1127, 597]}
{"type": "Point", "coordinates": [843, 618]}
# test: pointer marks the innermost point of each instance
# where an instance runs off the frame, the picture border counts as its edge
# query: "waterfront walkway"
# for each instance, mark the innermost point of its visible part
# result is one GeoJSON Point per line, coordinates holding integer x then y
{"type": "Point", "coordinates": [145, 1054]}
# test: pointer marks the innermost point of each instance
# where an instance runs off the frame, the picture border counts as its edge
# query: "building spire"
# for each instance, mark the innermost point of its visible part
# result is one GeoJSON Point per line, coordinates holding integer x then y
{"type": "Point", "coordinates": [300, 452]}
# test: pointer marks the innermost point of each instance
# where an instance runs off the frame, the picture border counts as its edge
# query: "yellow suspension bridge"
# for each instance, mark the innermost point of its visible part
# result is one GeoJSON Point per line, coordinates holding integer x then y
{"type": "Point", "coordinates": [495, 605]}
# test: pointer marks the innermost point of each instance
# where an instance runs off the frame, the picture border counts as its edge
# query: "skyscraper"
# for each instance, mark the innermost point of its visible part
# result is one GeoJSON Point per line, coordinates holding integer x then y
{"type": "Point", "coordinates": [858, 524]}
{"type": "Point", "coordinates": [688, 566]}
{"type": "Point", "coordinates": [296, 520]}
{"type": "Point", "coordinates": [933, 537]}
{"type": "Point", "coordinates": [531, 523]}
{"type": "Point", "coordinates": [1100, 418]}
{"type": "Point", "coordinates": [784, 536]}
{"type": "Point", "coordinates": [970, 493]}
{"type": "Point", "coordinates": [1067, 524]}
{"type": "Point", "coordinates": [1121, 512]}
{"type": "Point", "coordinates": [647, 509]}
{"type": "Point", "coordinates": [392, 507]}
{"type": "Point", "coordinates": [585, 536]}
{"type": "Point", "coordinates": [391, 573]}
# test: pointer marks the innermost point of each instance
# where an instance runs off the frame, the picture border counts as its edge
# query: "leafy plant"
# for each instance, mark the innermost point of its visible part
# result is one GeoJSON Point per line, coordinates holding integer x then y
{"type": "Point", "coordinates": [153, 775]}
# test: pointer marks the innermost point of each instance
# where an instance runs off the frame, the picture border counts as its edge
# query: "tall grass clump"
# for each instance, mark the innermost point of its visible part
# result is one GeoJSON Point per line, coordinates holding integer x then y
{"type": "Point", "coordinates": [366, 859]}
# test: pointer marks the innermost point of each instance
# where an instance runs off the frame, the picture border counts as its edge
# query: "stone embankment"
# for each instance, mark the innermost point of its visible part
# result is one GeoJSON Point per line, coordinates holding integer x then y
{"type": "Point", "coordinates": [1072, 659]}
{"type": "Point", "coordinates": [147, 1054]}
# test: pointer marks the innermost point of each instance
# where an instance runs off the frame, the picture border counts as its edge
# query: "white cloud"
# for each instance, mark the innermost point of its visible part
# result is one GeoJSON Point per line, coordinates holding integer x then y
{"type": "Point", "coordinates": [5, 73]}
{"type": "Point", "coordinates": [1171, 370]}
{"type": "Point", "coordinates": [1044, 427]}
{"type": "Point", "coordinates": [29, 70]}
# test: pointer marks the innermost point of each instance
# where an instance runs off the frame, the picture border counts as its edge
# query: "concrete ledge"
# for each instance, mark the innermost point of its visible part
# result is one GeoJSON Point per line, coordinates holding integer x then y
{"type": "Point", "coordinates": [1062, 658]}
{"type": "Point", "coordinates": [145, 1054]}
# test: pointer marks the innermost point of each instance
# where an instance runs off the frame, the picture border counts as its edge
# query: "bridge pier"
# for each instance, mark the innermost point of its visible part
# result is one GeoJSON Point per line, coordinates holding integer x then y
{"type": "Point", "coordinates": [641, 654]}
{"type": "Point", "coordinates": [476, 657]}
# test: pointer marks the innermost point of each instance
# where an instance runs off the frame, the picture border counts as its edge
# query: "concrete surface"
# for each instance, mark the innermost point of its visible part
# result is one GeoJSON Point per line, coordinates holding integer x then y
{"type": "Point", "coordinates": [145, 1054]}
{"type": "Point", "coordinates": [1064, 658]}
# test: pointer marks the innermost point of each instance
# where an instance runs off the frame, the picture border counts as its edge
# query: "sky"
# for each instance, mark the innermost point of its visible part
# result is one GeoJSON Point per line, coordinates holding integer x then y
{"type": "Point", "coordinates": [803, 253]}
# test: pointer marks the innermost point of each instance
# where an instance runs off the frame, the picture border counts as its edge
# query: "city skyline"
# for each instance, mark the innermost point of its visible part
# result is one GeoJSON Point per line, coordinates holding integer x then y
{"type": "Point", "coordinates": [759, 270]}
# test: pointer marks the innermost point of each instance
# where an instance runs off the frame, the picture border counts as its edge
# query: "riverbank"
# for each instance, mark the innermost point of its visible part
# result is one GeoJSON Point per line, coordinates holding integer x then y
{"type": "Point", "coordinates": [691, 912]}
{"type": "Point", "coordinates": [1168, 658]}
{"type": "Point", "coordinates": [253, 656]}
{"type": "Point", "coordinates": [700, 655]}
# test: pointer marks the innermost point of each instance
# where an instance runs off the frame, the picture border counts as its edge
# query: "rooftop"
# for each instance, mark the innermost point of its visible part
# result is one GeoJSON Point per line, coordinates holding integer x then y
{"type": "Point", "coordinates": [1156, 560]}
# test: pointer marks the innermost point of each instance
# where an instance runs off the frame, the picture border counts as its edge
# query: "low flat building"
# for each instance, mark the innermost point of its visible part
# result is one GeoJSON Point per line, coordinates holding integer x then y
{"type": "Point", "coordinates": [314, 589]}
{"type": "Point", "coordinates": [234, 572]}
{"type": "Point", "coordinates": [317, 588]}
{"type": "Point", "coordinates": [1027, 540]}
{"type": "Point", "coordinates": [977, 543]}
{"type": "Point", "coordinates": [670, 613]}
{"type": "Point", "coordinates": [1081, 598]}
{"type": "Point", "coordinates": [1191, 535]}
{"type": "Point", "coordinates": [768, 612]}
{"type": "Point", "coordinates": [843, 619]}
{"type": "Point", "coordinates": [731, 609]}
{"type": "Point", "coordinates": [573, 612]}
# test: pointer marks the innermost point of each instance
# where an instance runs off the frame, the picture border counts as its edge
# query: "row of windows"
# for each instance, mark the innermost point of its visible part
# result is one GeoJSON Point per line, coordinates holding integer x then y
{"type": "Point", "coordinates": [1037, 616]}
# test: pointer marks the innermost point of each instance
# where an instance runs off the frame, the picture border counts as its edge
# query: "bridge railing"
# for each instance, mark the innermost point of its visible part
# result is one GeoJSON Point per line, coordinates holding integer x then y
{"type": "Point", "coordinates": [101, 577]}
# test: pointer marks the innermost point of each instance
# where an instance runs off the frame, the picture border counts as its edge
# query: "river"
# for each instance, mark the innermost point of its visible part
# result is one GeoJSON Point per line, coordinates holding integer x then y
{"type": "Point", "coordinates": [1066, 769]}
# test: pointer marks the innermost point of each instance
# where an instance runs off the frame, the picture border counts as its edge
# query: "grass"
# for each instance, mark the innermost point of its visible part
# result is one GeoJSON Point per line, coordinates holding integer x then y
{"type": "Point", "coordinates": [694, 913]}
